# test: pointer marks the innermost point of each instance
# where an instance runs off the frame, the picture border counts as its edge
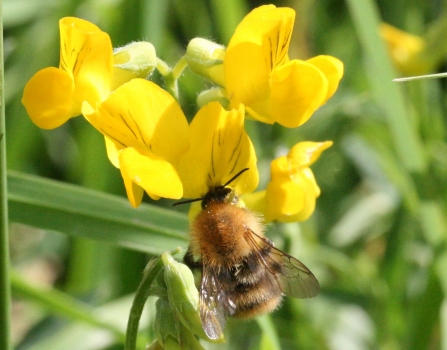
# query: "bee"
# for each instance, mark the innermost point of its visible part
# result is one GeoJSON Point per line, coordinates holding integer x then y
{"type": "Point", "coordinates": [242, 273]}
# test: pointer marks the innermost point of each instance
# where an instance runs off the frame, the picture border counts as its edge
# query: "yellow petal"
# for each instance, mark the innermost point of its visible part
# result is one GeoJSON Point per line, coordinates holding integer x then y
{"type": "Point", "coordinates": [87, 56]}
{"type": "Point", "coordinates": [246, 75]}
{"type": "Point", "coordinates": [270, 27]}
{"type": "Point", "coordinates": [259, 44]}
{"type": "Point", "coordinates": [283, 197]}
{"type": "Point", "coordinates": [311, 192]}
{"type": "Point", "coordinates": [408, 52]}
{"type": "Point", "coordinates": [220, 148]}
{"type": "Point", "coordinates": [298, 89]}
{"type": "Point", "coordinates": [255, 201]}
{"type": "Point", "coordinates": [292, 191]}
{"type": "Point", "coordinates": [112, 151]}
{"type": "Point", "coordinates": [303, 154]}
{"type": "Point", "coordinates": [142, 115]}
{"type": "Point", "coordinates": [134, 192]}
{"type": "Point", "coordinates": [290, 198]}
{"type": "Point", "coordinates": [308, 175]}
{"type": "Point", "coordinates": [112, 147]}
{"type": "Point", "coordinates": [47, 98]}
{"type": "Point", "coordinates": [154, 174]}
{"type": "Point", "coordinates": [259, 114]}
{"type": "Point", "coordinates": [194, 210]}
{"type": "Point", "coordinates": [332, 68]}
{"type": "Point", "coordinates": [256, 13]}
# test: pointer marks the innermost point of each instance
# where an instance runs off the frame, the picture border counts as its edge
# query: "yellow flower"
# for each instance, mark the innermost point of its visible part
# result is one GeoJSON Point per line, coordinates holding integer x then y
{"type": "Point", "coordinates": [146, 132]}
{"type": "Point", "coordinates": [292, 191]}
{"type": "Point", "coordinates": [406, 50]}
{"type": "Point", "coordinates": [220, 148]}
{"type": "Point", "coordinates": [54, 95]}
{"type": "Point", "coordinates": [259, 74]}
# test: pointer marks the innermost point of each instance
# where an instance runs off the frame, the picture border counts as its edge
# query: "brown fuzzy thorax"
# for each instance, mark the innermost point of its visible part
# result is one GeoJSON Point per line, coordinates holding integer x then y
{"type": "Point", "coordinates": [218, 234]}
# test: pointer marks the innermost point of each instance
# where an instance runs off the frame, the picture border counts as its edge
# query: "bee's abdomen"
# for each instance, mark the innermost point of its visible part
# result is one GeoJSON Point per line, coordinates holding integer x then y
{"type": "Point", "coordinates": [254, 288]}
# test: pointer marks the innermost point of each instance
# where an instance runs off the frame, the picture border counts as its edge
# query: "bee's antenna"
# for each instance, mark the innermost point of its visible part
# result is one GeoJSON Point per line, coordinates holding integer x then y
{"type": "Point", "coordinates": [235, 176]}
{"type": "Point", "coordinates": [187, 201]}
{"type": "Point", "coordinates": [202, 198]}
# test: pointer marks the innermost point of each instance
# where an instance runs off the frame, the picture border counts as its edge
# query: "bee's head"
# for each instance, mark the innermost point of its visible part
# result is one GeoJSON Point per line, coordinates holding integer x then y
{"type": "Point", "coordinates": [217, 194]}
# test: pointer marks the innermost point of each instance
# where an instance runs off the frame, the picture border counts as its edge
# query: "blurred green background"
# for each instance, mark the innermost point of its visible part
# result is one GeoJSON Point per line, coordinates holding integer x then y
{"type": "Point", "coordinates": [376, 242]}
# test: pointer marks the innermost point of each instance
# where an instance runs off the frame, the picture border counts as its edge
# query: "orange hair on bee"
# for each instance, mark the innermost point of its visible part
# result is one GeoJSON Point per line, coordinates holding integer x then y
{"type": "Point", "coordinates": [218, 234]}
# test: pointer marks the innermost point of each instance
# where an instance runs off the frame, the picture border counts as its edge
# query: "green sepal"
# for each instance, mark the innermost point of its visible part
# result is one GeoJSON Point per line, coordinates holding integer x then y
{"type": "Point", "coordinates": [170, 333]}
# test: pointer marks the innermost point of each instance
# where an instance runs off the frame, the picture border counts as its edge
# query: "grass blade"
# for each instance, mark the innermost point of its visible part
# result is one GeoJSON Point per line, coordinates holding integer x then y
{"type": "Point", "coordinates": [77, 211]}
{"type": "Point", "coordinates": [60, 303]}
{"type": "Point", "coordinates": [388, 94]}
{"type": "Point", "coordinates": [5, 291]}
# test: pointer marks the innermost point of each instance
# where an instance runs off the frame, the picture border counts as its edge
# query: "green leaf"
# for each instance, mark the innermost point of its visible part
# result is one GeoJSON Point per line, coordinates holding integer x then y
{"type": "Point", "coordinates": [5, 292]}
{"type": "Point", "coordinates": [60, 303]}
{"type": "Point", "coordinates": [74, 210]}
{"type": "Point", "coordinates": [389, 96]}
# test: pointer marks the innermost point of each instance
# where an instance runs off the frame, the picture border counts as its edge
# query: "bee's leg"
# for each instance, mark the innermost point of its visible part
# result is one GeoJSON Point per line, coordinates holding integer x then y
{"type": "Point", "coordinates": [189, 261]}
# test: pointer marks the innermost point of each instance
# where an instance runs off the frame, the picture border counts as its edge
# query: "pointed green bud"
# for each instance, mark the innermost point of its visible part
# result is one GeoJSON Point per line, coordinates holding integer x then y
{"type": "Point", "coordinates": [134, 60]}
{"type": "Point", "coordinates": [170, 333]}
{"type": "Point", "coordinates": [183, 296]}
{"type": "Point", "coordinates": [188, 338]}
{"type": "Point", "coordinates": [165, 325]}
{"type": "Point", "coordinates": [206, 59]}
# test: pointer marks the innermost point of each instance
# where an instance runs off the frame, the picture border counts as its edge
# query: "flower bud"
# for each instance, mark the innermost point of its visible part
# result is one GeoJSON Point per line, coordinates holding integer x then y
{"type": "Point", "coordinates": [170, 333]}
{"type": "Point", "coordinates": [206, 59]}
{"type": "Point", "coordinates": [183, 296]}
{"type": "Point", "coordinates": [135, 60]}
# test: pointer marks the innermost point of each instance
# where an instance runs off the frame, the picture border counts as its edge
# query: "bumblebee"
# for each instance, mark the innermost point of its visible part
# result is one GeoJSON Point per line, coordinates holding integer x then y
{"type": "Point", "coordinates": [242, 273]}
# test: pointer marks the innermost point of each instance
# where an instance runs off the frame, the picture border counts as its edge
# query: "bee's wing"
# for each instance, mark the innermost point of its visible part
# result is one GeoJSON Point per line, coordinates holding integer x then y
{"type": "Point", "coordinates": [215, 304]}
{"type": "Point", "coordinates": [293, 277]}
{"type": "Point", "coordinates": [296, 279]}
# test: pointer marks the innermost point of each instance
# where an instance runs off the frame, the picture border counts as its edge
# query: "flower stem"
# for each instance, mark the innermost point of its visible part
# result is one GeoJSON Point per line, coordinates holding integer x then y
{"type": "Point", "coordinates": [5, 289]}
{"type": "Point", "coordinates": [144, 290]}
{"type": "Point", "coordinates": [171, 75]}
{"type": "Point", "coordinates": [179, 67]}
{"type": "Point", "coordinates": [163, 67]}
{"type": "Point", "coordinates": [214, 94]}
{"type": "Point", "coordinates": [421, 77]}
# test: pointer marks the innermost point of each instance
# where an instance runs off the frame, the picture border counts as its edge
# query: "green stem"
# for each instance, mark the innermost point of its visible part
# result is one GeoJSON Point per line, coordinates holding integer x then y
{"type": "Point", "coordinates": [171, 76]}
{"type": "Point", "coordinates": [144, 290]}
{"type": "Point", "coordinates": [5, 289]}
{"type": "Point", "coordinates": [268, 329]}
{"type": "Point", "coordinates": [179, 67]}
{"type": "Point", "coordinates": [163, 67]}
{"type": "Point", "coordinates": [214, 94]}
{"type": "Point", "coordinates": [421, 77]}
